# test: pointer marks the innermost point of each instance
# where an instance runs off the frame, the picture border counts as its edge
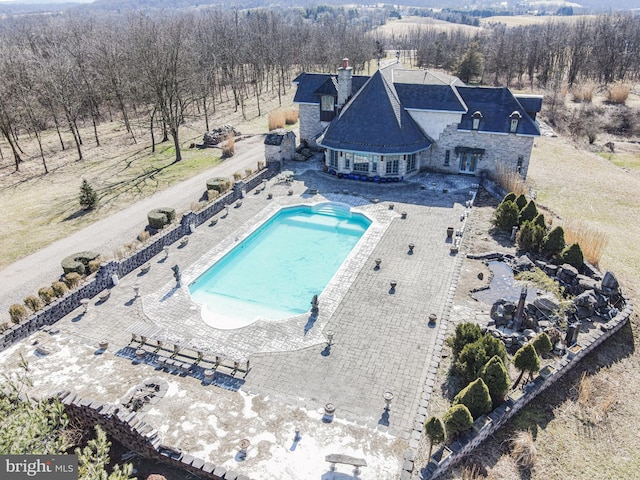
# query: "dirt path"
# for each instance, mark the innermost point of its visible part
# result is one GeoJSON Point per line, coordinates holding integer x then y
{"type": "Point", "coordinates": [27, 275]}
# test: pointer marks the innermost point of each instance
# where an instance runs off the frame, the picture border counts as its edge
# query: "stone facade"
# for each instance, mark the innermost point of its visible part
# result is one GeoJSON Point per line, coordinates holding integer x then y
{"type": "Point", "coordinates": [499, 149]}
{"type": "Point", "coordinates": [310, 125]}
{"type": "Point", "coordinates": [280, 146]}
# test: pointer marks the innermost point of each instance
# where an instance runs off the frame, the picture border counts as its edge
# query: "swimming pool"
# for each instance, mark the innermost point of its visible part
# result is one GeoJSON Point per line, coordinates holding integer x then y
{"type": "Point", "coordinates": [275, 272]}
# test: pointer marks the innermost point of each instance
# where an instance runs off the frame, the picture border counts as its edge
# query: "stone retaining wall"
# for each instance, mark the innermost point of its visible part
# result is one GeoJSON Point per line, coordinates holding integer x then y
{"type": "Point", "coordinates": [103, 278]}
{"type": "Point", "coordinates": [132, 432]}
{"type": "Point", "coordinates": [487, 425]}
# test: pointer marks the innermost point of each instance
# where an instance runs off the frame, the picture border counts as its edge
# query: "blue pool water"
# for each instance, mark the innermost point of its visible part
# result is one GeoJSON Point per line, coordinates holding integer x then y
{"type": "Point", "coordinates": [275, 272]}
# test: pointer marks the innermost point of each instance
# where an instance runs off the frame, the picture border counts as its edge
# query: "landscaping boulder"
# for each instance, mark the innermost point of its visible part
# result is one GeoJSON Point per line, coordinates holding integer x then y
{"type": "Point", "coordinates": [610, 284]}
{"type": "Point", "coordinates": [546, 303]}
{"type": "Point", "coordinates": [523, 263]}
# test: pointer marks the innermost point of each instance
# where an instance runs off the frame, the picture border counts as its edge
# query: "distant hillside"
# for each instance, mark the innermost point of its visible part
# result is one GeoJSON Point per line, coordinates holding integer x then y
{"type": "Point", "coordinates": [17, 7]}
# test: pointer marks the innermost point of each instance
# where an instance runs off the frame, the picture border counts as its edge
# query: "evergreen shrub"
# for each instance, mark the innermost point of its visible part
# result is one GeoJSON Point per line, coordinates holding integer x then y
{"type": "Point", "coordinates": [506, 216]}
{"type": "Point", "coordinates": [456, 420]}
{"type": "Point", "coordinates": [572, 255]}
{"type": "Point", "coordinates": [475, 397]}
{"type": "Point", "coordinates": [553, 242]}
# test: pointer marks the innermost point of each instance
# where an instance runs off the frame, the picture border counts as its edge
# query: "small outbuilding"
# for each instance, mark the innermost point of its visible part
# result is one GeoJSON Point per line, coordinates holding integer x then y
{"type": "Point", "coordinates": [279, 146]}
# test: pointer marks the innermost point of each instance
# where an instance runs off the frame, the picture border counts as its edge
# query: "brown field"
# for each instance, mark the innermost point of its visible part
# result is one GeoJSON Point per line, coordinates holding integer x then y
{"type": "Point", "coordinates": [404, 25]}
{"type": "Point", "coordinates": [524, 20]}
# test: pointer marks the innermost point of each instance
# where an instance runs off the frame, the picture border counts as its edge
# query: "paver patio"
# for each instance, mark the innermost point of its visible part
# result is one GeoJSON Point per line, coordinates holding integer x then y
{"type": "Point", "coordinates": [382, 339]}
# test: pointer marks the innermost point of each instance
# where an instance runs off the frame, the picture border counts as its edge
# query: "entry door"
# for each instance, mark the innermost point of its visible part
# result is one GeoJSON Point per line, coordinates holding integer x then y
{"type": "Point", "coordinates": [468, 162]}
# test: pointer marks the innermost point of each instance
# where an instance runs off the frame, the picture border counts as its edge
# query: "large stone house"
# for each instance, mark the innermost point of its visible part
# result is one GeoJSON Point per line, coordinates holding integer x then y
{"type": "Point", "coordinates": [398, 122]}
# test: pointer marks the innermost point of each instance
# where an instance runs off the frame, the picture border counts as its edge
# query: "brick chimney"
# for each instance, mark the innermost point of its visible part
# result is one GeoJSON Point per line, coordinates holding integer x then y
{"type": "Point", "coordinates": [344, 82]}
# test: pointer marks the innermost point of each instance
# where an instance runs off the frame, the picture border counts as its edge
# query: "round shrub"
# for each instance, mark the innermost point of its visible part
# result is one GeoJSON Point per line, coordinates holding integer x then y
{"type": "Point", "coordinates": [542, 343]}
{"type": "Point", "coordinates": [159, 217]}
{"type": "Point", "coordinates": [59, 288]}
{"type": "Point", "coordinates": [506, 216]}
{"type": "Point", "coordinates": [509, 197]}
{"type": "Point", "coordinates": [78, 262]}
{"type": "Point", "coordinates": [72, 280]}
{"type": "Point", "coordinates": [495, 376]}
{"type": "Point", "coordinates": [33, 303]}
{"type": "Point", "coordinates": [17, 313]}
{"type": "Point", "coordinates": [475, 397]}
{"type": "Point", "coordinates": [456, 420]}
{"type": "Point", "coordinates": [94, 266]}
{"type": "Point", "coordinates": [219, 184]}
{"type": "Point", "coordinates": [237, 176]}
{"type": "Point", "coordinates": [46, 295]}
{"type": "Point", "coordinates": [521, 201]}
{"type": "Point", "coordinates": [573, 256]}
{"type": "Point", "coordinates": [554, 242]}
{"type": "Point", "coordinates": [528, 213]}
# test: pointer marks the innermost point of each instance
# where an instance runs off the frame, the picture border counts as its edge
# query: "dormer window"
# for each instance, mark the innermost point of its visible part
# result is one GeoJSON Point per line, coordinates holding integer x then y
{"type": "Point", "coordinates": [475, 124]}
{"type": "Point", "coordinates": [327, 103]}
{"type": "Point", "coordinates": [327, 108]}
{"type": "Point", "coordinates": [515, 118]}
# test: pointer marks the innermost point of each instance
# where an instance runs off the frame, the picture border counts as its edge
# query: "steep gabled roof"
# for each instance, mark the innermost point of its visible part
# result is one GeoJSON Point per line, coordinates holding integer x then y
{"type": "Point", "coordinates": [496, 105]}
{"type": "Point", "coordinates": [312, 85]}
{"type": "Point", "coordinates": [374, 121]}
{"type": "Point", "coordinates": [442, 98]}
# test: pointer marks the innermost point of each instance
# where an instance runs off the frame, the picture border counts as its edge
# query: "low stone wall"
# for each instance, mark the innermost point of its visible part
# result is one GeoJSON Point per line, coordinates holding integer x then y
{"type": "Point", "coordinates": [131, 431]}
{"type": "Point", "coordinates": [487, 425]}
{"type": "Point", "coordinates": [103, 278]}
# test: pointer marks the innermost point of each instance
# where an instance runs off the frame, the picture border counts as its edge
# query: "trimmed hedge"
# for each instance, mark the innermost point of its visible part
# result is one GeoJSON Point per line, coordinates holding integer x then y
{"type": "Point", "coordinates": [78, 262]}
{"type": "Point", "coordinates": [159, 217]}
{"type": "Point", "coordinates": [219, 184]}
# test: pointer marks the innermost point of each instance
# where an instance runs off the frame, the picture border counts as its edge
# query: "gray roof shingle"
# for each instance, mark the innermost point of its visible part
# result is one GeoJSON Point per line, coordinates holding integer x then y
{"type": "Point", "coordinates": [495, 105]}
{"type": "Point", "coordinates": [374, 121]}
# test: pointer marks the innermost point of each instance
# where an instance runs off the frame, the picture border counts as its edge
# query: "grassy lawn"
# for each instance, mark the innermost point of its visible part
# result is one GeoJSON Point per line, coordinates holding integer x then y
{"type": "Point", "coordinates": [42, 208]}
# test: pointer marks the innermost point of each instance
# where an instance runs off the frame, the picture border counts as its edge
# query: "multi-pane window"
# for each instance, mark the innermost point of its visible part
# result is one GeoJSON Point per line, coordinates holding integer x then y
{"type": "Point", "coordinates": [327, 103]}
{"type": "Point", "coordinates": [374, 163]}
{"type": "Point", "coordinates": [447, 158]}
{"type": "Point", "coordinates": [393, 164]}
{"type": "Point", "coordinates": [360, 163]}
{"type": "Point", "coordinates": [333, 158]}
{"type": "Point", "coordinates": [411, 162]}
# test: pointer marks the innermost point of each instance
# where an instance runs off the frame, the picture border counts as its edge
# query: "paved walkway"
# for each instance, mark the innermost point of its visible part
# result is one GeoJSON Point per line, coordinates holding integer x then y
{"type": "Point", "coordinates": [382, 339]}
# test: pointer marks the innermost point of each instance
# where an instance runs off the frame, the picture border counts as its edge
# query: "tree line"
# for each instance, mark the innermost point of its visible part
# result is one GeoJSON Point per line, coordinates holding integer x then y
{"type": "Point", "coordinates": [601, 49]}
{"type": "Point", "coordinates": [160, 67]}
